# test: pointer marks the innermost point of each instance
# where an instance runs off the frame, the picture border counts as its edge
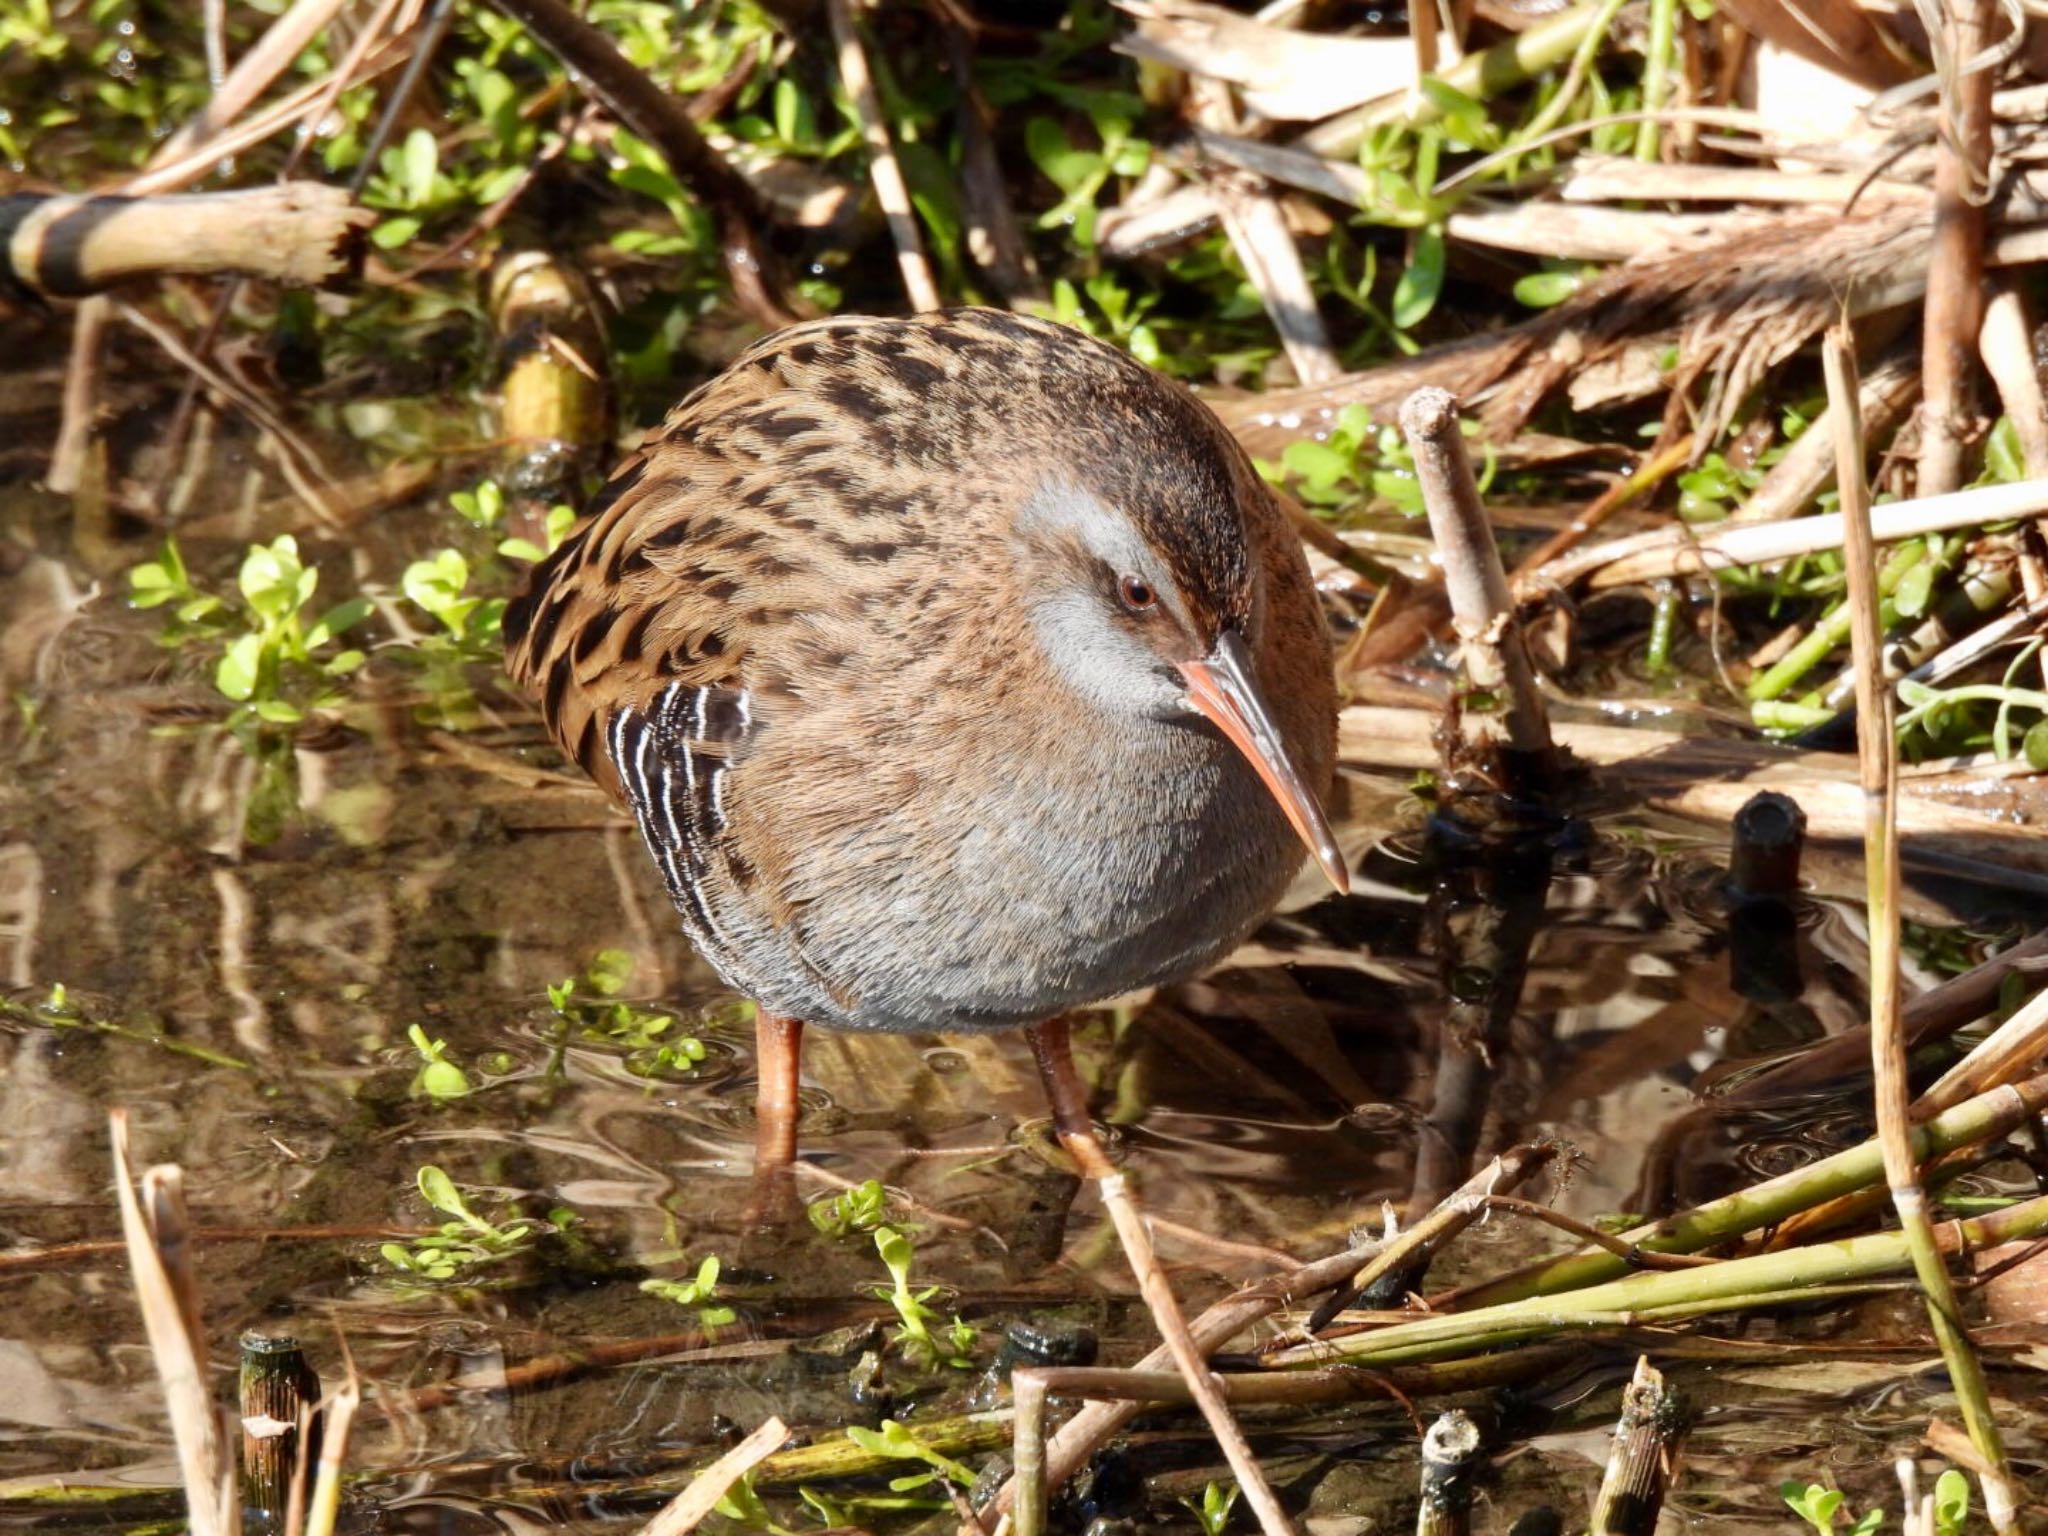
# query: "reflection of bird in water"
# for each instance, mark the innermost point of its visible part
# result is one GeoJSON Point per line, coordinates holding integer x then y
{"type": "Point", "coordinates": [959, 671]}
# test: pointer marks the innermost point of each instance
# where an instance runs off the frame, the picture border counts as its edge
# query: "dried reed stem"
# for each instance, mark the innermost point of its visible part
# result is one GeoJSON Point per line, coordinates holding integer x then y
{"type": "Point", "coordinates": [1808, 467]}
{"type": "Point", "coordinates": [337, 1417]}
{"type": "Point", "coordinates": [282, 42]}
{"type": "Point", "coordinates": [1643, 1462]}
{"type": "Point", "coordinates": [1257, 229]}
{"type": "Point", "coordinates": [1543, 45]}
{"type": "Point", "coordinates": [884, 170]}
{"type": "Point", "coordinates": [1482, 612]}
{"type": "Point", "coordinates": [1763, 1205]}
{"type": "Point", "coordinates": [1409, 1254]}
{"type": "Point", "coordinates": [686, 1510]}
{"type": "Point", "coordinates": [1877, 744]}
{"type": "Point", "coordinates": [1954, 311]}
{"type": "Point", "coordinates": [2020, 1042]}
{"type": "Point", "coordinates": [1683, 552]}
{"type": "Point", "coordinates": [160, 1257]}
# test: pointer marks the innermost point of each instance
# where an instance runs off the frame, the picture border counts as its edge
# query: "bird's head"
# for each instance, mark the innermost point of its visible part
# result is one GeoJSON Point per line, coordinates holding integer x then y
{"type": "Point", "coordinates": [1147, 599]}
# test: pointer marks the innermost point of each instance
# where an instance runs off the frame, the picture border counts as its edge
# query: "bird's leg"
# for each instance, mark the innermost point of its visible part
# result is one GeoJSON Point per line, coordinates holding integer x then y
{"type": "Point", "coordinates": [778, 1053]}
{"type": "Point", "coordinates": [778, 1059]}
{"type": "Point", "coordinates": [1050, 1045]}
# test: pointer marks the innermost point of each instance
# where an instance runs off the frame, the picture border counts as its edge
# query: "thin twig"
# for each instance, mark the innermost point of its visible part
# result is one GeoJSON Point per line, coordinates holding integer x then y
{"type": "Point", "coordinates": [1645, 477]}
{"type": "Point", "coordinates": [1077, 1135]}
{"type": "Point", "coordinates": [297, 458]}
{"type": "Point", "coordinates": [1409, 1255]}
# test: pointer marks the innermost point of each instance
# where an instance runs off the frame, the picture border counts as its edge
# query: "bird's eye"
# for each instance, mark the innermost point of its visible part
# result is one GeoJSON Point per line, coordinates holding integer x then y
{"type": "Point", "coordinates": [1137, 594]}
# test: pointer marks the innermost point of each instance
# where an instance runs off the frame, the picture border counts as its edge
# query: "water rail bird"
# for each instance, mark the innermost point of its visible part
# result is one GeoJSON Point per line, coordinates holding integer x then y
{"type": "Point", "coordinates": [959, 671]}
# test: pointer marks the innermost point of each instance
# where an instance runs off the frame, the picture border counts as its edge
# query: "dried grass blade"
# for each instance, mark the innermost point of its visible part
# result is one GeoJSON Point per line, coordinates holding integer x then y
{"type": "Point", "coordinates": [159, 1256]}
{"type": "Point", "coordinates": [337, 1415]}
{"type": "Point", "coordinates": [683, 1512]}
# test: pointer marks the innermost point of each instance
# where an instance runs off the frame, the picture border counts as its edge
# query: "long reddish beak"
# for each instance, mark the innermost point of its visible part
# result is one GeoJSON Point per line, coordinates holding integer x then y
{"type": "Point", "coordinates": [1221, 687]}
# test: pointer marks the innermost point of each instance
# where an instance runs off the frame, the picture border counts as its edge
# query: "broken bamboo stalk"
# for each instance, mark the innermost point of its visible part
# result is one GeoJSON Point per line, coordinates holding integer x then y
{"type": "Point", "coordinates": [1502, 714]}
{"type": "Point", "coordinates": [1450, 1453]}
{"type": "Point", "coordinates": [158, 1234]}
{"type": "Point", "coordinates": [1643, 1462]}
{"type": "Point", "coordinates": [298, 233]}
{"type": "Point", "coordinates": [278, 1394]}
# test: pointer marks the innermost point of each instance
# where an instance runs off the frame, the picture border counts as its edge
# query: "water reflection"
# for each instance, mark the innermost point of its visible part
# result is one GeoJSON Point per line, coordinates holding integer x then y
{"type": "Point", "coordinates": [246, 925]}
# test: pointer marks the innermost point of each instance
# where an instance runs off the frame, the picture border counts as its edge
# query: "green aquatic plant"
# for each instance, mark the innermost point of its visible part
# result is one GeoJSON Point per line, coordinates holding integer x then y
{"type": "Point", "coordinates": [439, 586]}
{"type": "Point", "coordinates": [438, 1077]}
{"type": "Point", "coordinates": [743, 1505]}
{"type": "Point", "coordinates": [483, 508]}
{"type": "Point", "coordinates": [698, 1291]}
{"type": "Point", "coordinates": [897, 1443]}
{"type": "Point", "coordinates": [410, 185]}
{"type": "Point", "coordinates": [1359, 461]}
{"type": "Point", "coordinates": [651, 1039]}
{"type": "Point", "coordinates": [465, 1242]}
{"type": "Point", "coordinates": [860, 1209]}
{"type": "Point", "coordinates": [924, 1337]}
{"type": "Point", "coordinates": [1212, 1510]}
{"type": "Point", "coordinates": [58, 1009]}
{"type": "Point", "coordinates": [1817, 1504]}
{"type": "Point", "coordinates": [277, 662]}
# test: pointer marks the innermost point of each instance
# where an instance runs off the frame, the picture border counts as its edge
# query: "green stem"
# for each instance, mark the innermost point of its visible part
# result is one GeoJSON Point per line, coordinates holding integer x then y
{"type": "Point", "coordinates": [1786, 715]}
{"type": "Point", "coordinates": [1828, 635]}
{"type": "Point", "coordinates": [1553, 110]}
{"type": "Point", "coordinates": [1762, 1205]}
{"type": "Point", "coordinates": [1657, 73]}
{"type": "Point", "coordinates": [1663, 625]}
{"type": "Point", "coordinates": [1484, 74]}
{"type": "Point", "coordinates": [1768, 1279]}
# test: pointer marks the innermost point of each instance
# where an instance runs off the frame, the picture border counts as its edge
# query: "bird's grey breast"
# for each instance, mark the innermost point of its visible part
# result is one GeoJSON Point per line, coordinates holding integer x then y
{"type": "Point", "coordinates": [1122, 862]}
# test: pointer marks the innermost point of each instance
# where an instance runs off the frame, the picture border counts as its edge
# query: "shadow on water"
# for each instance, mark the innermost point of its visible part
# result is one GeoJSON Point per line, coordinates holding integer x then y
{"type": "Point", "coordinates": [246, 926]}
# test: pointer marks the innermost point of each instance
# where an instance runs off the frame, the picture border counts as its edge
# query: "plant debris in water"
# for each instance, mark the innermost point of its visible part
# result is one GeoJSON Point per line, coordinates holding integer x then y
{"type": "Point", "coordinates": [343, 939]}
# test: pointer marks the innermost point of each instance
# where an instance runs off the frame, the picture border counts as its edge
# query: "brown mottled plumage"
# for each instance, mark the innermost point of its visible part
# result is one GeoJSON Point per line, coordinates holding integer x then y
{"type": "Point", "coordinates": [958, 671]}
{"type": "Point", "coordinates": [867, 637]}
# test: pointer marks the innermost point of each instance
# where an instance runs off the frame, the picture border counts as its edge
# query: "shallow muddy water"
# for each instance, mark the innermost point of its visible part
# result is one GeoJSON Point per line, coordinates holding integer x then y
{"type": "Point", "coordinates": [244, 935]}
